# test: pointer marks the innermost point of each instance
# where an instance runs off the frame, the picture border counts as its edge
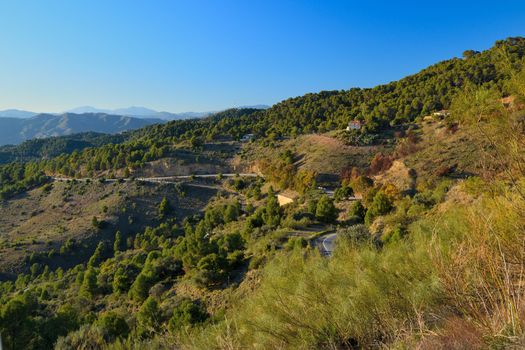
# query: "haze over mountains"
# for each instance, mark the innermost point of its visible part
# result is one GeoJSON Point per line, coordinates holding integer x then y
{"type": "Point", "coordinates": [139, 112]}
{"type": "Point", "coordinates": [17, 126]}
{"type": "Point", "coordinates": [16, 113]}
{"type": "Point", "coordinates": [17, 130]}
{"type": "Point", "coordinates": [133, 111]}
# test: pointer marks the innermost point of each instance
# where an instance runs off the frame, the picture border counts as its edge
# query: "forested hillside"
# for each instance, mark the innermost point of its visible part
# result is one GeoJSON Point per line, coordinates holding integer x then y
{"type": "Point", "coordinates": [50, 147]}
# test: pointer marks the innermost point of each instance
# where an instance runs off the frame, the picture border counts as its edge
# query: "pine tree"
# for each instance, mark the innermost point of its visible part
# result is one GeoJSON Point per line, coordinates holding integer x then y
{"type": "Point", "coordinates": [164, 208]}
{"type": "Point", "coordinates": [326, 210]}
{"type": "Point", "coordinates": [96, 258]}
{"type": "Point", "coordinates": [118, 242]}
{"type": "Point", "coordinates": [272, 213]}
{"type": "Point", "coordinates": [148, 317]}
{"type": "Point", "coordinates": [89, 284]}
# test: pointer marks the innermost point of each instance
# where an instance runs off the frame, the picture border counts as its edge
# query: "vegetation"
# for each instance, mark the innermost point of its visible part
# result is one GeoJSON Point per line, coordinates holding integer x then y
{"type": "Point", "coordinates": [438, 264]}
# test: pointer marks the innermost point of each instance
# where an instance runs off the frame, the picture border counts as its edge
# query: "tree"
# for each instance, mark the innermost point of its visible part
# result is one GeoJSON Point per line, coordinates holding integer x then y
{"type": "Point", "coordinates": [36, 269]}
{"type": "Point", "coordinates": [164, 208]}
{"type": "Point", "coordinates": [272, 212]}
{"type": "Point", "coordinates": [16, 324]}
{"type": "Point", "coordinates": [231, 213]}
{"type": "Point", "coordinates": [358, 211]}
{"type": "Point", "coordinates": [120, 281]}
{"type": "Point", "coordinates": [140, 288]}
{"type": "Point", "coordinates": [118, 242]}
{"type": "Point", "coordinates": [355, 234]}
{"type": "Point", "coordinates": [469, 53]}
{"type": "Point", "coordinates": [95, 223]}
{"type": "Point", "coordinates": [326, 210]}
{"type": "Point", "coordinates": [148, 318]}
{"type": "Point", "coordinates": [361, 184]}
{"type": "Point", "coordinates": [89, 284]}
{"type": "Point", "coordinates": [96, 258]}
{"type": "Point", "coordinates": [381, 205]}
{"type": "Point", "coordinates": [211, 269]}
{"type": "Point", "coordinates": [196, 142]}
{"type": "Point", "coordinates": [343, 193]}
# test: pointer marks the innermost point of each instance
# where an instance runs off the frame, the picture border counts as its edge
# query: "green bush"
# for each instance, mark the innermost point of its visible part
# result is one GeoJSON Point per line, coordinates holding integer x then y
{"type": "Point", "coordinates": [186, 313]}
{"type": "Point", "coordinates": [113, 326]}
{"type": "Point", "coordinates": [326, 210]}
{"type": "Point", "coordinates": [358, 211]}
{"type": "Point", "coordinates": [381, 205]}
{"type": "Point", "coordinates": [149, 318]}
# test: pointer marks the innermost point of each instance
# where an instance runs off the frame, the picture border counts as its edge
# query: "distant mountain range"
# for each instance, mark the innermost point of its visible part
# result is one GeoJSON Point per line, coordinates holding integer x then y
{"type": "Point", "coordinates": [17, 126]}
{"type": "Point", "coordinates": [136, 112]}
{"type": "Point", "coordinates": [139, 112]}
{"type": "Point", "coordinates": [14, 130]}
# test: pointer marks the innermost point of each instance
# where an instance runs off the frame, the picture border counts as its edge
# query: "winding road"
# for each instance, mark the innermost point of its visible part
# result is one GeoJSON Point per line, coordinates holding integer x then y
{"type": "Point", "coordinates": [327, 244]}
{"type": "Point", "coordinates": [158, 178]}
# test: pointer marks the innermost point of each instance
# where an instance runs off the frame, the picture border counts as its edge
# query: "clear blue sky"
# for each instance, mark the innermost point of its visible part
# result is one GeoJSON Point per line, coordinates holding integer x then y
{"type": "Point", "coordinates": [193, 55]}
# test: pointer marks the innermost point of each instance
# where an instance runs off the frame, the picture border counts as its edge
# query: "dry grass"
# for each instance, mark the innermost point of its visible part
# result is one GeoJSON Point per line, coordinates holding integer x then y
{"type": "Point", "coordinates": [482, 267]}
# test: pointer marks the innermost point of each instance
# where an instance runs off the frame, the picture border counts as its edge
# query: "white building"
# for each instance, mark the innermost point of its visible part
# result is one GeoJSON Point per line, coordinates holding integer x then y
{"type": "Point", "coordinates": [354, 125]}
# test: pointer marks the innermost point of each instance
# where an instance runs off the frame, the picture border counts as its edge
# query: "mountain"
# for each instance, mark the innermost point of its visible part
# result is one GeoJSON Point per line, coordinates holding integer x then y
{"type": "Point", "coordinates": [17, 130]}
{"type": "Point", "coordinates": [140, 112]}
{"type": "Point", "coordinates": [255, 107]}
{"type": "Point", "coordinates": [16, 113]}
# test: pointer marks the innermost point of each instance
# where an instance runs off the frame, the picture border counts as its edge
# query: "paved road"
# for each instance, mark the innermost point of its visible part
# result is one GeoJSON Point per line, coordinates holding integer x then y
{"type": "Point", "coordinates": [160, 178]}
{"type": "Point", "coordinates": [327, 244]}
{"type": "Point", "coordinates": [187, 177]}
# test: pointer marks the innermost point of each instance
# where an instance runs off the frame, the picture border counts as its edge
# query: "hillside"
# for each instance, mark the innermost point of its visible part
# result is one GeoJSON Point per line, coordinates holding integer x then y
{"type": "Point", "coordinates": [406, 233]}
{"type": "Point", "coordinates": [49, 147]}
{"type": "Point", "coordinates": [36, 226]}
{"type": "Point", "coordinates": [17, 130]}
{"type": "Point", "coordinates": [403, 101]}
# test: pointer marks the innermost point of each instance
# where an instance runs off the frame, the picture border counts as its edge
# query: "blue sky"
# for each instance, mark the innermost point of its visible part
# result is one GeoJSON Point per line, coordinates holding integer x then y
{"type": "Point", "coordinates": [195, 55]}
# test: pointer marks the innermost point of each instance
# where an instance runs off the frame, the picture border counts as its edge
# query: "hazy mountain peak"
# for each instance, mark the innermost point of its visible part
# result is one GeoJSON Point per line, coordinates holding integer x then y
{"type": "Point", "coordinates": [16, 113]}
{"type": "Point", "coordinates": [136, 111]}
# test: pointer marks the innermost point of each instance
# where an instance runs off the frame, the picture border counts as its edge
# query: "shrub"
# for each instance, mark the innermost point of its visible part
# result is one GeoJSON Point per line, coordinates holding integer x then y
{"type": "Point", "coordinates": [381, 205]}
{"type": "Point", "coordinates": [148, 318]}
{"type": "Point", "coordinates": [380, 163]}
{"type": "Point", "coordinates": [343, 193]}
{"type": "Point", "coordinates": [326, 210]}
{"type": "Point", "coordinates": [358, 211]}
{"type": "Point", "coordinates": [87, 337]}
{"type": "Point", "coordinates": [354, 233]}
{"type": "Point", "coordinates": [113, 326]}
{"type": "Point", "coordinates": [185, 314]}
{"type": "Point", "coordinates": [342, 302]}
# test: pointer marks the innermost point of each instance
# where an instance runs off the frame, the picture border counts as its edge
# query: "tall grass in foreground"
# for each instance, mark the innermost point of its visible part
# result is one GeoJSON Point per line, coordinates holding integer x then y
{"type": "Point", "coordinates": [456, 282]}
{"type": "Point", "coordinates": [361, 296]}
{"type": "Point", "coordinates": [479, 256]}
